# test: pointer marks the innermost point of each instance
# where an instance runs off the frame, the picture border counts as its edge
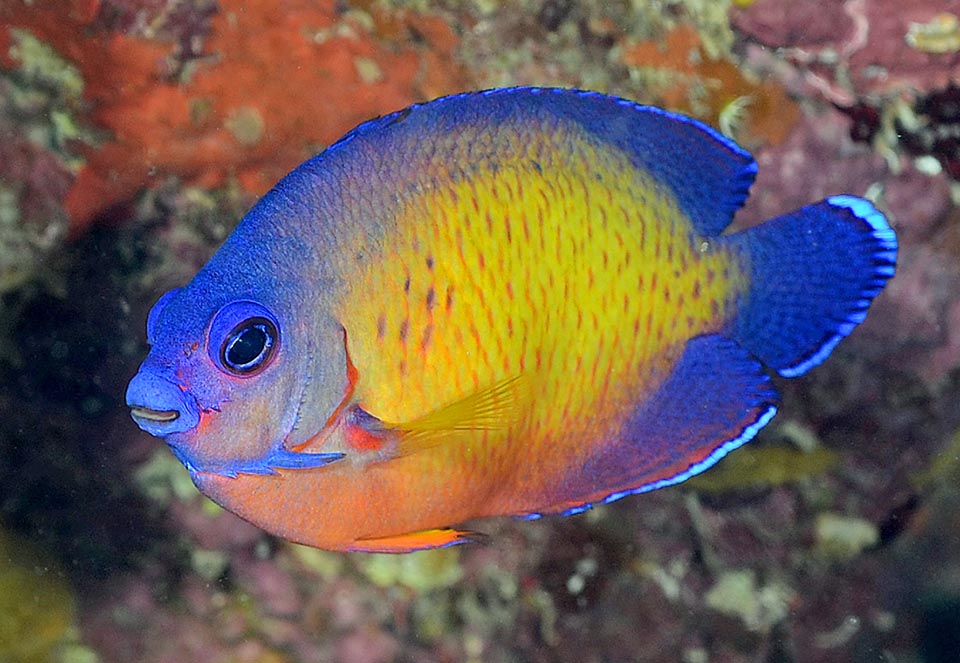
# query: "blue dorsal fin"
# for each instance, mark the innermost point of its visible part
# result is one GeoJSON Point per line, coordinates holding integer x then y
{"type": "Point", "coordinates": [716, 398]}
{"type": "Point", "coordinates": [707, 173]}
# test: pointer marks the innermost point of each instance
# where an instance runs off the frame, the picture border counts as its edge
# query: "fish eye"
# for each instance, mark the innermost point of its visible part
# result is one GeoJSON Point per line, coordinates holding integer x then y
{"type": "Point", "coordinates": [243, 338]}
{"type": "Point", "coordinates": [249, 346]}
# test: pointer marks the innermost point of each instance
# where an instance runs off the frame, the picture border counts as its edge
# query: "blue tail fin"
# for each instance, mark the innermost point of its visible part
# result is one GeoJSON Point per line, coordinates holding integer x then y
{"type": "Point", "coordinates": [813, 275]}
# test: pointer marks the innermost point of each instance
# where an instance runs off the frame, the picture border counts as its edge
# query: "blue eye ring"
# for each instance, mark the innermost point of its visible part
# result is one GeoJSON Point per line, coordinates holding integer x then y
{"type": "Point", "coordinates": [244, 338]}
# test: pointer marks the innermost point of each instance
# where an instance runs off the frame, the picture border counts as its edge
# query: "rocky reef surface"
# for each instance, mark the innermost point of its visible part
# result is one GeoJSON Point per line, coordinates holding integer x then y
{"type": "Point", "coordinates": [135, 133]}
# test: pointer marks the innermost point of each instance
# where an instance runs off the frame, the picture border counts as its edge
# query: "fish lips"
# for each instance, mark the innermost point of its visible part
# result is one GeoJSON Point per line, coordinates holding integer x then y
{"type": "Point", "coordinates": [160, 406]}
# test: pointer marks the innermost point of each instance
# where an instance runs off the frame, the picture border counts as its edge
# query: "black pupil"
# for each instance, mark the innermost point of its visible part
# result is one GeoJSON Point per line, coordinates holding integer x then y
{"type": "Point", "coordinates": [248, 346]}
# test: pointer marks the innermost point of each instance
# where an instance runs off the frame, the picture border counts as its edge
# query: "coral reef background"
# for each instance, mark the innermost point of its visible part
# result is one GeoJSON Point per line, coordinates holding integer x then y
{"type": "Point", "coordinates": [135, 133]}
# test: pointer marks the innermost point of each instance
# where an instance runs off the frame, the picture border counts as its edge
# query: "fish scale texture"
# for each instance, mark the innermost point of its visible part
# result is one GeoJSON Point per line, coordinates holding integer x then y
{"type": "Point", "coordinates": [519, 265]}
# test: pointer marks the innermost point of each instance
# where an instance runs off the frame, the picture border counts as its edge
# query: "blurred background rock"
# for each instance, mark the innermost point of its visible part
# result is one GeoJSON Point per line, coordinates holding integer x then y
{"type": "Point", "coordinates": [135, 133]}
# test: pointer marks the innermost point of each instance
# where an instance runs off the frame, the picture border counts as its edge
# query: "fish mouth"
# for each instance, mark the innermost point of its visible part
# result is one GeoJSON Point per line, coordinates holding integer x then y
{"type": "Point", "coordinates": [162, 416]}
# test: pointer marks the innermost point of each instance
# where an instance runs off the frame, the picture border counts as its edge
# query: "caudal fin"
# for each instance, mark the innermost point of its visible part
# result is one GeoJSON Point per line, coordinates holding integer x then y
{"type": "Point", "coordinates": [813, 273]}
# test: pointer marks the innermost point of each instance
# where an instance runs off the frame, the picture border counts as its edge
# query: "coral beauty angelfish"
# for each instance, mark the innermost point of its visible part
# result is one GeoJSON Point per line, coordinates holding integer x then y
{"type": "Point", "coordinates": [510, 302]}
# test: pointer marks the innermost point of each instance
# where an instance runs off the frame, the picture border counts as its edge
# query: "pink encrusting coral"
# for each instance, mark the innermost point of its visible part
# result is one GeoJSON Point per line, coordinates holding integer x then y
{"type": "Point", "coordinates": [856, 48]}
{"type": "Point", "coordinates": [900, 96]}
{"type": "Point", "coordinates": [894, 69]}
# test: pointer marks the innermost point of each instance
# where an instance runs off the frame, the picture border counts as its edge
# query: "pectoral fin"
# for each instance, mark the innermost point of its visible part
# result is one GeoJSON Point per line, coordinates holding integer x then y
{"type": "Point", "coordinates": [496, 407]}
{"type": "Point", "coordinates": [422, 540]}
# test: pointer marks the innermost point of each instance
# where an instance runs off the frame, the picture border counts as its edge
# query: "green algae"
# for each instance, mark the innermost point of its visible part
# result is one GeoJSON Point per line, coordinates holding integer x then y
{"type": "Point", "coordinates": [46, 92]}
{"type": "Point", "coordinates": [712, 19]}
{"type": "Point", "coordinates": [73, 652]}
{"type": "Point", "coordinates": [765, 467]}
{"type": "Point", "coordinates": [164, 479]}
{"type": "Point", "coordinates": [506, 44]}
{"type": "Point", "coordinates": [842, 538]}
{"type": "Point", "coordinates": [944, 467]}
{"type": "Point", "coordinates": [209, 564]}
{"type": "Point", "coordinates": [421, 571]}
{"type": "Point", "coordinates": [36, 607]}
{"type": "Point", "coordinates": [738, 594]}
{"type": "Point", "coordinates": [41, 64]}
{"type": "Point", "coordinates": [14, 271]}
{"type": "Point", "coordinates": [327, 565]}
{"type": "Point", "coordinates": [40, 101]}
{"type": "Point", "coordinates": [246, 124]}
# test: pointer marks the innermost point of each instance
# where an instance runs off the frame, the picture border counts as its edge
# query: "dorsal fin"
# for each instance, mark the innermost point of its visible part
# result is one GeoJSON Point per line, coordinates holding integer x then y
{"type": "Point", "coordinates": [707, 173]}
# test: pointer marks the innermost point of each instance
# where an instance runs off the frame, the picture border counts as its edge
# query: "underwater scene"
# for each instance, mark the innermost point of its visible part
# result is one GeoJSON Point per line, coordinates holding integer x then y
{"type": "Point", "coordinates": [648, 352]}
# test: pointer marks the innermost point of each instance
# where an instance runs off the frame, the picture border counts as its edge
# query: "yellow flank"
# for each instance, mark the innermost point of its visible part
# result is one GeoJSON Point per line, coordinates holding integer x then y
{"type": "Point", "coordinates": [567, 268]}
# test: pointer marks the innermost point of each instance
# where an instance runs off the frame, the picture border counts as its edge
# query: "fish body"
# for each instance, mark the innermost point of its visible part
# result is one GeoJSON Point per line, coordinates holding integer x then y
{"type": "Point", "coordinates": [512, 302]}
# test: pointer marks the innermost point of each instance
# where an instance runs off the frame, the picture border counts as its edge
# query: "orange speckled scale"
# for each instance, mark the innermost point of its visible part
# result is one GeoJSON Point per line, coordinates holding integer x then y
{"type": "Point", "coordinates": [514, 302]}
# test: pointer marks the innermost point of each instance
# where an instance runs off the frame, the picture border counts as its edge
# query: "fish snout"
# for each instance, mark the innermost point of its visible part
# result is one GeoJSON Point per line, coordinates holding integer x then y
{"type": "Point", "coordinates": [160, 406]}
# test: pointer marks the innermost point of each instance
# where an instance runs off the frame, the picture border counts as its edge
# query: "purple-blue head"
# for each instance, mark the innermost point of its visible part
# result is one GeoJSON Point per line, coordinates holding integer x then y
{"type": "Point", "coordinates": [245, 360]}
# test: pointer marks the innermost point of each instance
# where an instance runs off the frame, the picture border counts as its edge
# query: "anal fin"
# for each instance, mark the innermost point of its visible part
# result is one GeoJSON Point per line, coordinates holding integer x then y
{"type": "Point", "coordinates": [716, 399]}
{"type": "Point", "coordinates": [422, 540]}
